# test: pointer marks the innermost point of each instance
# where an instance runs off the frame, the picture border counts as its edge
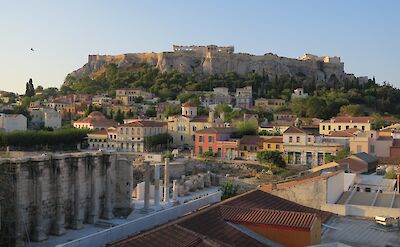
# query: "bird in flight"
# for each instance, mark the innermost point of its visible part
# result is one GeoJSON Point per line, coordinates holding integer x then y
{"type": "Point", "coordinates": [32, 49]}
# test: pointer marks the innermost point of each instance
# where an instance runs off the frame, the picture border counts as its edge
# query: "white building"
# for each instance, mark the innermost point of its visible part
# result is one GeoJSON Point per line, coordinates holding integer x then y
{"type": "Point", "coordinates": [46, 117]}
{"type": "Point", "coordinates": [12, 122]}
{"type": "Point", "coordinates": [299, 93]}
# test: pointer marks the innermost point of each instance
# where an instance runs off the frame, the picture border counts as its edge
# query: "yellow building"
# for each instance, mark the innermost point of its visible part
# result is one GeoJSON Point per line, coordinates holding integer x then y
{"type": "Point", "coordinates": [344, 123]}
{"type": "Point", "coordinates": [273, 144]}
{"type": "Point", "coordinates": [130, 136]}
{"type": "Point", "coordinates": [269, 104]}
{"type": "Point", "coordinates": [183, 127]}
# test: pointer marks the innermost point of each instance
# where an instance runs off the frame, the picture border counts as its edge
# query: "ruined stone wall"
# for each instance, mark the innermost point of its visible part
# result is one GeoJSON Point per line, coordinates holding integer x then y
{"type": "Point", "coordinates": [215, 62]}
{"type": "Point", "coordinates": [310, 194]}
{"type": "Point", "coordinates": [55, 192]}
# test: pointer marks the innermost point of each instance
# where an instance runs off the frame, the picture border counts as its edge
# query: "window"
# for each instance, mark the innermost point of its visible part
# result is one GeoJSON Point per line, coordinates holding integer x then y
{"type": "Point", "coordinates": [347, 127]}
{"type": "Point", "coordinates": [340, 127]}
{"type": "Point", "coordinates": [269, 146]}
{"type": "Point", "coordinates": [363, 127]}
{"type": "Point", "coordinates": [323, 127]}
{"type": "Point", "coordinates": [372, 148]}
{"type": "Point", "coordinates": [210, 149]}
{"type": "Point", "coordinates": [200, 138]}
{"type": "Point", "coordinates": [298, 139]}
{"type": "Point", "coordinates": [309, 139]}
{"type": "Point", "coordinates": [219, 152]}
{"type": "Point", "coordinates": [329, 127]}
{"type": "Point", "coordinates": [278, 146]}
{"type": "Point", "coordinates": [194, 128]}
{"type": "Point", "coordinates": [200, 150]}
{"type": "Point", "coordinates": [210, 139]}
{"type": "Point", "coordinates": [290, 139]}
{"type": "Point", "coordinates": [367, 189]}
{"type": "Point", "coordinates": [355, 126]}
{"type": "Point", "coordinates": [181, 137]}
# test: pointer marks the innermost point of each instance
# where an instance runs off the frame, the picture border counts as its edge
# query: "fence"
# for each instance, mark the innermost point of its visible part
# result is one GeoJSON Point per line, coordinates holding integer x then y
{"type": "Point", "coordinates": [147, 222]}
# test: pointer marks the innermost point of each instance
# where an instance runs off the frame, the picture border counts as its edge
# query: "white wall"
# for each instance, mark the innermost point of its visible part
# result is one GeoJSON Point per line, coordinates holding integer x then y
{"type": "Point", "coordinates": [334, 188]}
{"type": "Point", "coordinates": [349, 179]}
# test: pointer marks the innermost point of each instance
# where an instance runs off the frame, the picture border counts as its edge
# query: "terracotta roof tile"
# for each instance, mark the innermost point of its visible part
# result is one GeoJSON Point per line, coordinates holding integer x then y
{"type": "Point", "coordinates": [294, 130]}
{"type": "Point", "coordinates": [144, 123]}
{"type": "Point", "coordinates": [188, 104]}
{"type": "Point", "coordinates": [215, 131]}
{"type": "Point", "coordinates": [278, 139]}
{"type": "Point", "coordinates": [268, 217]}
{"type": "Point", "coordinates": [251, 140]}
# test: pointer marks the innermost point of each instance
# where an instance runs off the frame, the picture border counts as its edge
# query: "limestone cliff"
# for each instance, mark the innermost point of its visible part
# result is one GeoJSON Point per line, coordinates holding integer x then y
{"type": "Point", "coordinates": [213, 60]}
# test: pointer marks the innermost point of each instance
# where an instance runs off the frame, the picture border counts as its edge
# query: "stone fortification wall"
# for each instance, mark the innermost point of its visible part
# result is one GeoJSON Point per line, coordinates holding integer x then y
{"type": "Point", "coordinates": [220, 60]}
{"type": "Point", "coordinates": [49, 193]}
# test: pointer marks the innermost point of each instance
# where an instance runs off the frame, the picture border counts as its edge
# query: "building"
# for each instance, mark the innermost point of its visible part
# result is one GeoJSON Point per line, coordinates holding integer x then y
{"type": "Point", "coordinates": [342, 136]}
{"type": "Point", "coordinates": [95, 121]}
{"type": "Point", "coordinates": [219, 95]}
{"type": "Point", "coordinates": [254, 218]}
{"type": "Point", "coordinates": [269, 104]}
{"type": "Point", "coordinates": [249, 146]}
{"type": "Point", "coordinates": [273, 144]}
{"type": "Point", "coordinates": [244, 97]}
{"type": "Point", "coordinates": [299, 93]}
{"type": "Point", "coordinates": [12, 122]}
{"type": "Point", "coordinates": [131, 136]}
{"type": "Point", "coordinates": [305, 148]}
{"type": "Point", "coordinates": [217, 141]}
{"type": "Point", "coordinates": [371, 143]}
{"type": "Point", "coordinates": [344, 123]}
{"type": "Point", "coordinates": [183, 127]}
{"type": "Point", "coordinates": [45, 117]}
{"type": "Point", "coordinates": [359, 163]}
{"type": "Point", "coordinates": [101, 100]}
{"type": "Point", "coordinates": [105, 139]}
{"type": "Point", "coordinates": [127, 95]}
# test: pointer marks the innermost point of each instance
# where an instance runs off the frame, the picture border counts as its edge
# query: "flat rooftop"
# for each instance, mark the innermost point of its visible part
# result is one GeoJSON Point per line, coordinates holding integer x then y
{"type": "Point", "coordinates": [359, 232]}
{"type": "Point", "coordinates": [389, 200]}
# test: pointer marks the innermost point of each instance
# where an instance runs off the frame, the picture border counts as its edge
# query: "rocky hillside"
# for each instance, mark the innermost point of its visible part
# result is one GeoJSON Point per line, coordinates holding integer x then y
{"type": "Point", "coordinates": [212, 61]}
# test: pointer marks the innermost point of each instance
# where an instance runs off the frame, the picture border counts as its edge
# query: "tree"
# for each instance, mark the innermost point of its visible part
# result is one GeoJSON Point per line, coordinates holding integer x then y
{"type": "Point", "coordinates": [229, 190]}
{"type": "Point", "coordinates": [152, 142]}
{"type": "Point", "coordinates": [377, 121]}
{"type": "Point", "coordinates": [171, 110]}
{"type": "Point", "coordinates": [30, 89]}
{"type": "Point", "coordinates": [245, 128]}
{"type": "Point", "coordinates": [138, 99]}
{"type": "Point", "coordinates": [350, 110]}
{"type": "Point", "coordinates": [271, 157]}
{"type": "Point", "coordinates": [151, 112]}
{"type": "Point", "coordinates": [339, 155]}
{"type": "Point", "coordinates": [299, 106]}
{"type": "Point", "coordinates": [119, 116]}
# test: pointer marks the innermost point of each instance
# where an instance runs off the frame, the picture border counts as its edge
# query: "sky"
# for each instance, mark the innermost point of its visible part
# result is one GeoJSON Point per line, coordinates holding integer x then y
{"type": "Point", "coordinates": [364, 33]}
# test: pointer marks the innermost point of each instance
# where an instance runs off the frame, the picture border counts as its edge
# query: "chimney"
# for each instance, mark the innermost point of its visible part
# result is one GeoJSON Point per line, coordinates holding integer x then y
{"type": "Point", "coordinates": [211, 117]}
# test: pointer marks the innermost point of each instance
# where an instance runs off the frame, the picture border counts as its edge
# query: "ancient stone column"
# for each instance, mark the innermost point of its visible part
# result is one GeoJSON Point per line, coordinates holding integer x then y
{"type": "Point", "coordinates": [94, 198]}
{"type": "Point", "coordinates": [157, 185]}
{"type": "Point", "coordinates": [38, 231]}
{"type": "Point", "coordinates": [166, 181]}
{"type": "Point", "coordinates": [146, 178]}
{"type": "Point", "coordinates": [78, 166]}
{"type": "Point", "coordinates": [175, 190]}
{"type": "Point", "coordinates": [20, 219]}
{"type": "Point", "coordinates": [59, 225]}
{"type": "Point", "coordinates": [108, 207]}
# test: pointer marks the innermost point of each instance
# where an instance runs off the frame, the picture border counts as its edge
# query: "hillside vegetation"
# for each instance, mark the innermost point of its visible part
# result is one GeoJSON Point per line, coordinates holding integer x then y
{"type": "Point", "coordinates": [326, 99]}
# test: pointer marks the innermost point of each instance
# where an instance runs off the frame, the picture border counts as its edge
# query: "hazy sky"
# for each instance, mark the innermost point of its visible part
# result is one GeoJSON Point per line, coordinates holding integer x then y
{"type": "Point", "coordinates": [365, 34]}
